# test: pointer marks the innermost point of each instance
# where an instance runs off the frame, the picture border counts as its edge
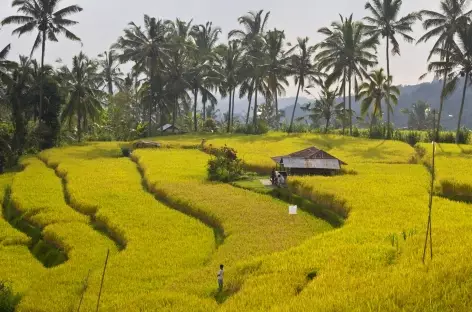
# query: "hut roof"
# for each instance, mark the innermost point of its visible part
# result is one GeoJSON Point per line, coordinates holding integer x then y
{"type": "Point", "coordinates": [309, 153]}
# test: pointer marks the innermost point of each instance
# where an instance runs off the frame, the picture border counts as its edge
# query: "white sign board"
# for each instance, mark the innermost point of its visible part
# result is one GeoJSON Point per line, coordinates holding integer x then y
{"type": "Point", "coordinates": [292, 210]}
{"type": "Point", "coordinates": [312, 163]}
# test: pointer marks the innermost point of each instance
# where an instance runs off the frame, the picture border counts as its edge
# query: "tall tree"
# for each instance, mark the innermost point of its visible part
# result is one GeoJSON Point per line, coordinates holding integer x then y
{"type": "Point", "coordinates": [252, 39]}
{"type": "Point", "coordinates": [84, 94]}
{"type": "Point", "coordinates": [459, 66]}
{"type": "Point", "coordinates": [45, 17]}
{"type": "Point", "coordinates": [146, 48]}
{"type": "Point", "coordinates": [348, 53]}
{"type": "Point", "coordinates": [110, 70]}
{"type": "Point", "coordinates": [419, 116]}
{"type": "Point", "coordinates": [5, 64]}
{"type": "Point", "coordinates": [204, 76]}
{"type": "Point", "coordinates": [377, 90]}
{"type": "Point", "coordinates": [384, 21]}
{"type": "Point", "coordinates": [443, 25]}
{"type": "Point", "coordinates": [325, 106]}
{"type": "Point", "coordinates": [230, 61]}
{"type": "Point", "coordinates": [278, 69]}
{"type": "Point", "coordinates": [304, 70]}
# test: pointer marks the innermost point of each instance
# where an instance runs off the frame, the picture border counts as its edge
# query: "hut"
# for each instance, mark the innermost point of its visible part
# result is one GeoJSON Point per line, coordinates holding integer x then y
{"type": "Point", "coordinates": [310, 161]}
{"type": "Point", "coordinates": [168, 128]}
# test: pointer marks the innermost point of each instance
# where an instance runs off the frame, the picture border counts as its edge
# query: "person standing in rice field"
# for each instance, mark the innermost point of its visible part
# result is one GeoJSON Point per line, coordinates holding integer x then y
{"type": "Point", "coordinates": [220, 277]}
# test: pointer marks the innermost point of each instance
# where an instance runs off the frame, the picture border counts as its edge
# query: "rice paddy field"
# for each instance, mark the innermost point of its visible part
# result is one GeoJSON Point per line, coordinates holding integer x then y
{"type": "Point", "coordinates": [166, 229]}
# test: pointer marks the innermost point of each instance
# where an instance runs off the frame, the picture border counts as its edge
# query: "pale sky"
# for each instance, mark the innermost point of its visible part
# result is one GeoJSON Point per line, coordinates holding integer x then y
{"type": "Point", "coordinates": [103, 21]}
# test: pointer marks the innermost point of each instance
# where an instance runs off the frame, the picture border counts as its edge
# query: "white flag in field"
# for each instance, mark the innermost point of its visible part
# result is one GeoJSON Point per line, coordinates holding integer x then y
{"type": "Point", "coordinates": [292, 210]}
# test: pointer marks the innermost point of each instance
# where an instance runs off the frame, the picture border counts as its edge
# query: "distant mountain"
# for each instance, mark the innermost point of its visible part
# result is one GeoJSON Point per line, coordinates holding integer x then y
{"type": "Point", "coordinates": [428, 92]}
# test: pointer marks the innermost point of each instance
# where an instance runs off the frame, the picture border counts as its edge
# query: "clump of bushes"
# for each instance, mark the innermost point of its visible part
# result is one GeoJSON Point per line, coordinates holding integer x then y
{"type": "Point", "coordinates": [8, 299]}
{"type": "Point", "coordinates": [225, 166]}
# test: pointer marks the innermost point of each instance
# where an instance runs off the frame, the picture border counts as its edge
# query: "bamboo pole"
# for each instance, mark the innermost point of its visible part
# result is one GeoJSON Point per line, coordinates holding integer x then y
{"type": "Point", "coordinates": [433, 173]}
{"type": "Point", "coordinates": [103, 277]}
{"type": "Point", "coordinates": [84, 289]}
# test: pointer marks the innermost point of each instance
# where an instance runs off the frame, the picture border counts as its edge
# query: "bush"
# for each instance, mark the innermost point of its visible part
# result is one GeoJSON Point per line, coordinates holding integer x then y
{"type": "Point", "coordinates": [262, 128]}
{"type": "Point", "coordinates": [8, 300]}
{"type": "Point", "coordinates": [225, 166]}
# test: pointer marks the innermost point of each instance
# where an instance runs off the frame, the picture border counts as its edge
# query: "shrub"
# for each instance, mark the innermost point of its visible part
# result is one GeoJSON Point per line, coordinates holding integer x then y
{"type": "Point", "coordinates": [8, 300]}
{"type": "Point", "coordinates": [225, 166]}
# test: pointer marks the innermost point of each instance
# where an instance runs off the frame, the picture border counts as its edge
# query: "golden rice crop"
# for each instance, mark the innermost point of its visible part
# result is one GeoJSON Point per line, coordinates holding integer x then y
{"type": "Point", "coordinates": [160, 242]}
{"type": "Point", "coordinates": [257, 150]}
{"type": "Point", "coordinates": [254, 224]}
{"type": "Point", "coordinates": [8, 234]}
{"type": "Point", "coordinates": [453, 170]}
{"type": "Point", "coordinates": [374, 261]}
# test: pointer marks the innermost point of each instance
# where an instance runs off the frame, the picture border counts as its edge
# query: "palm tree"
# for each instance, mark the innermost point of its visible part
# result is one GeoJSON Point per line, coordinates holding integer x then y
{"type": "Point", "coordinates": [385, 22]}
{"type": "Point", "coordinates": [110, 70]}
{"type": "Point", "coordinates": [303, 69]}
{"type": "Point", "coordinates": [458, 66]}
{"type": "Point", "coordinates": [347, 53]}
{"type": "Point", "coordinates": [419, 116]}
{"type": "Point", "coordinates": [176, 64]}
{"type": "Point", "coordinates": [230, 61]}
{"type": "Point", "coordinates": [278, 66]}
{"type": "Point", "coordinates": [44, 16]}
{"type": "Point", "coordinates": [454, 15]}
{"type": "Point", "coordinates": [82, 87]}
{"type": "Point", "coordinates": [204, 76]}
{"type": "Point", "coordinates": [252, 40]}
{"type": "Point", "coordinates": [5, 64]}
{"type": "Point", "coordinates": [376, 90]}
{"type": "Point", "coordinates": [146, 48]}
{"type": "Point", "coordinates": [325, 107]}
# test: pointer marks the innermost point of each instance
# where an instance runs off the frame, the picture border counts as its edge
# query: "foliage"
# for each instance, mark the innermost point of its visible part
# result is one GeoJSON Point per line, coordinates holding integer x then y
{"type": "Point", "coordinates": [419, 117]}
{"type": "Point", "coordinates": [225, 165]}
{"type": "Point", "coordinates": [8, 300]}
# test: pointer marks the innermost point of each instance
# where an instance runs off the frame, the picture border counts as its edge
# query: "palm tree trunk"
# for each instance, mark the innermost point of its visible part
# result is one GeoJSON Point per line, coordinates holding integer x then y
{"type": "Point", "coordinates": [254, 121]}
{"type": "Point", "coordinates": [277, 119]}
{"type": "Point", "coordinates": [372, 120]}
{"type": "Point", "coordinates": [110, 86]}
{"type": "Point", "coordinates": [462, 108]}
{"type": "Point", "coordinates": [344, 103]}
{"type": "Point", "coordinates": [441, 103]}
{"type": "Point", "coordinates": [229, 113]}
{"type": "Point", "coordinates": [41, 89]}
{"type": "Point", "coordinates": [294, 108]}
{"type": "Point", "coordinates": [204, 111]}
{"type": "Point", "coordinates": [174, 114]}
{"type": "Point", "coordinates": [232, 109]}
{"type": "Point", "coordinates": [248, 110]}
{"type": "Point", "coordinates": [79, 125]}
{"type": "Point", "coordinates": [388, 89]}
{"type": "Point", "coordinates": [350, 101]}
{"type": "Point", "coordinates": [327, 125]}
{"type": "Point", "coordinates": [195, 95]}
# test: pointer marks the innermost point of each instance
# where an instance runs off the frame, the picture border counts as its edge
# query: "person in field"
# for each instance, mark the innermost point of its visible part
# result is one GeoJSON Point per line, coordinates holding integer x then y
{"type": "Point", "coordinates": [281, 180]}
{"type": "Point", "coordinates": [273, 177]}
{"type": "Point", "coordinates": [220, 277]}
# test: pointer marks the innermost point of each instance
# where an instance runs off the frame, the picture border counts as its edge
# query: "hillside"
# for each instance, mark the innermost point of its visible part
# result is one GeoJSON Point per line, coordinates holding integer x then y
{"type": "Point", "coordinates": [165, 229]}
{"type": "Point", "coordinates": [410, 94]}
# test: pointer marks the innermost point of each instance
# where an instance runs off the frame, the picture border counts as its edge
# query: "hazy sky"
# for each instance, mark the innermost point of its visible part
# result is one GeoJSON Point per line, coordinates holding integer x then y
{"type": "Point", "coordinates": [102, 21]}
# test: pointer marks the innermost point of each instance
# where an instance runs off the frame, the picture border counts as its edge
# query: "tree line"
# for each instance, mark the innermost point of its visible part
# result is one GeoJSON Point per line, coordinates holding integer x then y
{"type": "Point", "coordinates": [179, 69]}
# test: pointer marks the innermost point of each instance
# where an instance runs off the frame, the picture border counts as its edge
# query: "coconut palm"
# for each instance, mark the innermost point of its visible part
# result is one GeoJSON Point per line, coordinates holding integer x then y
{"type": "Point", "coordinates": [304, 69]}
{"type": "Point", "coordinates": [443, 25]}
{"type": "Point", "coordinates": [230, 62]}
{"type": "Point", "coordinates": [110, 70]}
{"type": "Point", "coordinates": [325, 107]}
{"type": "Point", "coordinates": [419, 116]}
{"type": "Point", "coordinates": [146, 48]}
{"type": "Point", "coordinates": [252, 40]}
{"type": "Point", "coordinates": [376, 91]}
{"type": "Point", "coordinates": [5, 64]}
{"type": "Point", "coordinates": [277, 69]}
{"type": "Point", "coordinates": [204, 76]}
{"type": "Point", "coordinates": [459, 66]}
{"type": "Point", "coordinates": [84, 94]}
{"type": "Point", "coordinates": [384, 21]}
{"type": "Point", "coordinates": [45, 17]}
{"type": "Point", "coordinates": [347, 53]}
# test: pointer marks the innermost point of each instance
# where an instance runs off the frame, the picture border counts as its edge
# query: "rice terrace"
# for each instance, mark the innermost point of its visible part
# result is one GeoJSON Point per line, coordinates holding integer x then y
{"type": "Point", "coordinates": [197, 168]}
